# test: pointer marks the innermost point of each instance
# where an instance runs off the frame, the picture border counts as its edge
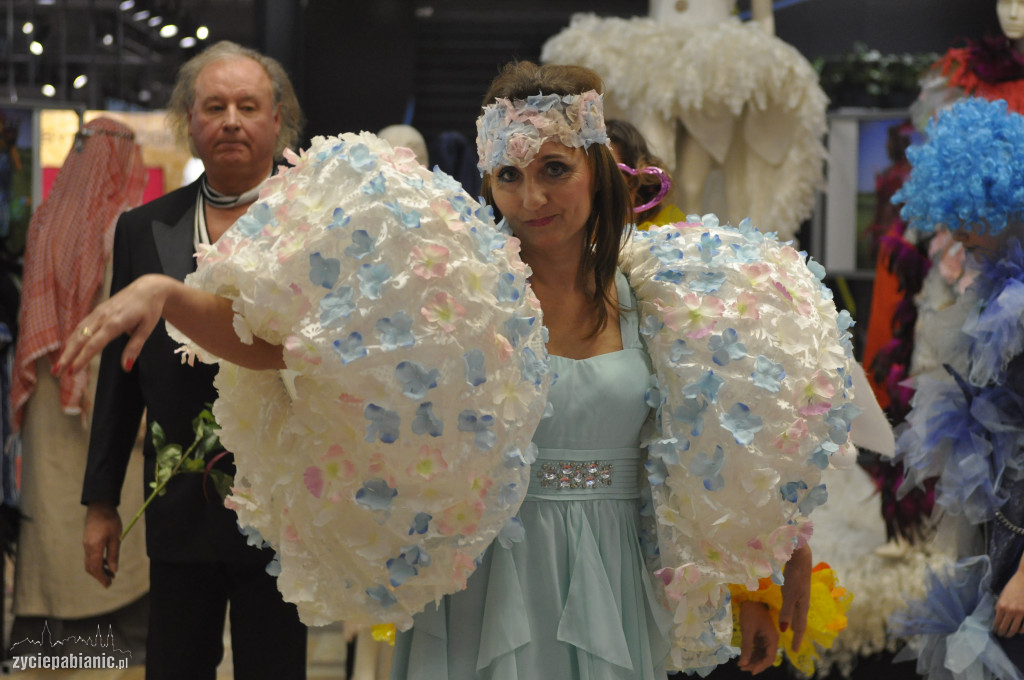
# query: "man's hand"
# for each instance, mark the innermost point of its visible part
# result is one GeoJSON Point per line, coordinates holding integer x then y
{"type": "Point", "coordinates": [102, 541]}
{"type": "Point", "coordinates": [796, 594]}
{"type": "Point", "coordinates": [759, 639]}
{"type": "Point", "coordinates": [1010, 607]}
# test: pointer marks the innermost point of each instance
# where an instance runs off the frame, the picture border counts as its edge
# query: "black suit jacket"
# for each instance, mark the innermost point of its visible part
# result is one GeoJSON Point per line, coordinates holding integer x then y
{"type": "Point", "coordinates": [182, 525]}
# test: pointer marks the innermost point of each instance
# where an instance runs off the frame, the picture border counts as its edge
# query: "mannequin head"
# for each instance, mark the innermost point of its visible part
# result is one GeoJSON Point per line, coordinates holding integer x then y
{"type": "Point", "coordinates": [1011, 18]}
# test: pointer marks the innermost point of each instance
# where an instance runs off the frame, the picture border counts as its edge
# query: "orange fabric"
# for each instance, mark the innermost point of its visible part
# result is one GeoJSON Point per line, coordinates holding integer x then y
{"type": "Point", "coordinates": [69, 241]}
{"type": "Point", "coordinates": [885, 298]}
{"type": "Point", "coordinates": [954, 65]}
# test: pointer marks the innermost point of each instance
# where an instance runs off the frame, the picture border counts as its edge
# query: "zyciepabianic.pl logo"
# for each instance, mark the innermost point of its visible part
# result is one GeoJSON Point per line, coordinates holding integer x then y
{"type": "Point", "coordinates": [74, 652]}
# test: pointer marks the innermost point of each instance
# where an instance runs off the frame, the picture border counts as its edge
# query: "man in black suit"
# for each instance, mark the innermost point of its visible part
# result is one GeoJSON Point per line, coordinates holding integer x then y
{"type": "Point", "coordinates": [238, 111]}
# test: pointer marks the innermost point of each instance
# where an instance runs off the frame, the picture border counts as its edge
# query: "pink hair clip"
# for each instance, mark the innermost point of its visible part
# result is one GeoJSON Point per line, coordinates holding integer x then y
{"type": "Point", "coordinates": [666, 184]}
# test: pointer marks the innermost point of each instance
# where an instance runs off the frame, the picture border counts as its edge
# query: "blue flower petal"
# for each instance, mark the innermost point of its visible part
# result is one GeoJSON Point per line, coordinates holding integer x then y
{"type": "Point", "coordinates": [708, 387]}
{"type": "Point", "coordinates": [533, 369]}
{"type": "Point", "coordinates": [384, 424]}
{"type": "Point", "coordinates": [420, 523]}
{"type": "Point", "coordinates": [410, 219]}
{"type": "Point", "coordinates": [382, 595]}
{"type": "Point", "coordinates": [362, 244]}
{"type": "Point", "coordinates": [742, 423]}
{"type": "Point", "coordinates": [335, 306]}
{"type": "Point", "coordinates": [790, 490]}
{"type": "Point", "coordinates": [376, 186]}
{"type": "Point", "coordinates": [395, 331]}
{"type": "Point", "coordinates": [361, 158]}
{"type": "Point", "coordinates": [375, 494]}
{"type": "Point", "coordinates": [815, 497]}
{"type": "Point", "coordinates": [691, 412]}
{"type": "Point", "coordinates": [507, 289]}
{"type": "Point", "coordinates": [416, 380]}
{"type": "Point", "coordinates": [324, 271]}
{"type": "Point", "coordinates": [512, 532]}
{"type": "Point", "coordinates": [350, 348]}
{"type": "Point", "coordinates": [480, 425]}
{"type": "Point", "coordinates": [399, 571]}
{"type": "Point", "coordinates": [372, 277]}
{"type": "Point", "coordinates": [338, 219]}
{"type": "Point", "coordinates": [425, 422]}
{"type": "Point", "coordinates": [476, 371]}
{"type": "Point", "coordinates": [767, 374]}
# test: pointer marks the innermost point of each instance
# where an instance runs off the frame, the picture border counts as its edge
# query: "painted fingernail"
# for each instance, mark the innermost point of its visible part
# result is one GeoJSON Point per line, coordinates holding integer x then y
{"type": "Point", "coordinates": [129, 363]}
{"type": "Point", "coordinates": [783, 626]}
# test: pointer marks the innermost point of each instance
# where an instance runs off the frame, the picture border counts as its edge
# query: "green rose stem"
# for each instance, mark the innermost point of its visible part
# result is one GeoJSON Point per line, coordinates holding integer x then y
{"type": "Point", "coordinates": [170, 460]}
{"type": "Point", "coordinates": [158, 489]}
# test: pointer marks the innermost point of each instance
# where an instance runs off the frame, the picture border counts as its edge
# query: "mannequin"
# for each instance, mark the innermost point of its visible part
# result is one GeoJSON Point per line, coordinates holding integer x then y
{"type": "Point", "coordinates": [697, 153]}
{"type": "Point", "coordinates": [1011, 20]}
{"type": "Point", "coordinates": [711, 12]}
{"type": "Point", "coordinates": [737, 114]}
{"type": "Point", "coordinates": [992, 68]}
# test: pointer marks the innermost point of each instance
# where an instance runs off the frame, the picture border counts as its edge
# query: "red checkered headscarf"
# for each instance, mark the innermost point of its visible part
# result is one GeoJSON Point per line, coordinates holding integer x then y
{"type": "Point", "coordinates": [68, 243]}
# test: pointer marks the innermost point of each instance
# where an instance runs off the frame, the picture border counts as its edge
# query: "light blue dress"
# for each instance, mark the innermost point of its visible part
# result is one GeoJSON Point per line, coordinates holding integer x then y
{"type": "Point", "coordinates": [573, 599]}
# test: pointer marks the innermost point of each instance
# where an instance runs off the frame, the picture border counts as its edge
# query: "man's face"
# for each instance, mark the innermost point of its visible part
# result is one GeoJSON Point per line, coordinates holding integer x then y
{"type": "Point", "coordinates": [234, 121]}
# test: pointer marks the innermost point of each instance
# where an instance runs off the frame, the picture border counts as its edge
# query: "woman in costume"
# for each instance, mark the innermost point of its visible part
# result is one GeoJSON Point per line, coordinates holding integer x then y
{"type": "Point", "coordinates": [649, 183]}
{"type": "Point", "coordinates": [542, 569]}
{"type": "Point", "coordinates": [965, 425]}
{"type": "Point", "coordinates": [718, 98]}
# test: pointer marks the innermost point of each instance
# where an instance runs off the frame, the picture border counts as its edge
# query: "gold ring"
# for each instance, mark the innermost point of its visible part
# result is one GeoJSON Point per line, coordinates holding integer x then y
{"type": "Point", "coordinates": [86, 332]}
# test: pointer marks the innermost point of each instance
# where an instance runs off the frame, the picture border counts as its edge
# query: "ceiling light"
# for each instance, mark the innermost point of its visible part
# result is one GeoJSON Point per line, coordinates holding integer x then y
{"type": "Point", "coordinates": [202, 33]}
{"type": "Point", "coordinates": [35, 47]}
{"type": "Point", "coordinates": [27, 28]}
{"type": "Point", "coordinates": [127, 5]}
{"type": "Point", "coordinates": [48, 90]}
{"type": "Point", "coordinates": [187, 42]}
{"type": "Point", "coordinates": [108, 39]}
{"type": "Point", "coordinates": [155, 21]}
{"type": "Point", "coordinates": [141, 15]}
{"type": "Point", "coordinates": [168, 31]}
{"type": "Point", "coordinates": [80, 81]}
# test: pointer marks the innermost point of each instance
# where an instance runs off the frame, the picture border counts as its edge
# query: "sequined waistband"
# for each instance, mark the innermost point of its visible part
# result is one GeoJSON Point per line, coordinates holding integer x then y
{"type": "Point", "coordinates": [560, 474]}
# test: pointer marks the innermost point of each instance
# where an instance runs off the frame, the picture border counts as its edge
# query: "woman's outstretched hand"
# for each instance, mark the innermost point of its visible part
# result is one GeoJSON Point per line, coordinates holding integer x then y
{"type": "Point", "coordinates": [135, 311]}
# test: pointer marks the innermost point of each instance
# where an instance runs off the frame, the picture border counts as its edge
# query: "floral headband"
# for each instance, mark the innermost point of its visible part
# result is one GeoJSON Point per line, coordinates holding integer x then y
{"type": "Point", "coordinates": [512, 132]}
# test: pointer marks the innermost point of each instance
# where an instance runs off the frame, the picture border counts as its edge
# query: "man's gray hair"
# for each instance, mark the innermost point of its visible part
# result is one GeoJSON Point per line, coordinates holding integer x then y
{"type": "Point", "coordinates": [183, 96]}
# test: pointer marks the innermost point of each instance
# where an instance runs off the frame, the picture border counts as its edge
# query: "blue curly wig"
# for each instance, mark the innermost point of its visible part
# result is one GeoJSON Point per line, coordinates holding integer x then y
{"type": "Point", "coordinates": [970, 173]}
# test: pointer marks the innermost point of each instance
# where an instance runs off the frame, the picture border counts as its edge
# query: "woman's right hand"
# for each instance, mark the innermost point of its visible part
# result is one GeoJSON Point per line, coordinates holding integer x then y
{"type": "Point", "coordinates": [1009, 618]}
{"type": "Point", "coordinates": [134, 311]}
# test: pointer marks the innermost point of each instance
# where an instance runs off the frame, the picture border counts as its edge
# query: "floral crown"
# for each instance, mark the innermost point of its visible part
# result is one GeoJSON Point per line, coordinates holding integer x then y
{"type": "Point", "coordinates": [511, 132]}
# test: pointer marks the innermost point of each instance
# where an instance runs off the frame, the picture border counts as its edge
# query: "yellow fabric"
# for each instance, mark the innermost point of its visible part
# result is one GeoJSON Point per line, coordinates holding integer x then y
{"type": "Point", "coordinates": [667, 215]}
{"type": "Point", "coordinates": [384, 632]}
{"type": "Point", "coordinates": [825, 617]}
